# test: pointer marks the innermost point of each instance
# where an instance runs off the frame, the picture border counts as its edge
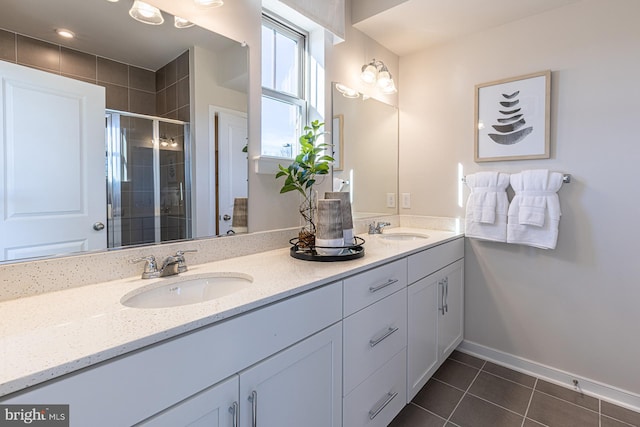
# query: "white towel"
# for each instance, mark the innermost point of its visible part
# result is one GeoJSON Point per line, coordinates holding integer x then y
{"type": "Point", "coordinates": [534, 213]}
{"type": "Point", "coordinates": [486, 213]}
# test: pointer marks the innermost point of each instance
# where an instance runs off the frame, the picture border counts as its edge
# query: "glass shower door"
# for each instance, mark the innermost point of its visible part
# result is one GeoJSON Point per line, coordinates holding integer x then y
{"type": "Point", "coordinates": [148, 180]}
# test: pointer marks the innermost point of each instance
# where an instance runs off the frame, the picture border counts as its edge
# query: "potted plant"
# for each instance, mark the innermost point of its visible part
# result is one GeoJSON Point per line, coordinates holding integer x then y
{"type": "Point", "coordinates": [301, 174]}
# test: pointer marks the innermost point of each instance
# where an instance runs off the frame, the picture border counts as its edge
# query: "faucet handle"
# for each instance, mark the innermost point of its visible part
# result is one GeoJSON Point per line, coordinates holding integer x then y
{"type": "Point", "coordinates": [182, 265]}
{"type": "Point", "coordinates": [150, 266]}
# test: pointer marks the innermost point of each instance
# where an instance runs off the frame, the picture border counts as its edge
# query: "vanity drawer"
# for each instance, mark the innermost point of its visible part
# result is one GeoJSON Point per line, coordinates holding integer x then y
{"type": "Point", "coordinates": [380, 398]}
{"type": "Point", "coordinates": [372, 336]}
{"type": "Point", "coordinates": [370, 286]}
{"type": "Point", "coordinates": [430, 260]}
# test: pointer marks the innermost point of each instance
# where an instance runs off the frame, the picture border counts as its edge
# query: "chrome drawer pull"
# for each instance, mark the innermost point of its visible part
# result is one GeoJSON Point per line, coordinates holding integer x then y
{"type": "Point", "coordinates": [233, 410]}
{"type": "Point", "coordinates": [374, 342]}
{"type": "Point", "coordinates": [254, 408]}
{"type": "Point", "coordinates": [382, 286]}
{"type": "Point", "coordinates": [387, 399]}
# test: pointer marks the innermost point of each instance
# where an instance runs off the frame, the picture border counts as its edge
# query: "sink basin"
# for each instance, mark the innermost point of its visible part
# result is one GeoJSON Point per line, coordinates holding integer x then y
{"type": "Point", "coordinates": [183, 291]}
{"type": "Point", "coordinates": [403, 236]}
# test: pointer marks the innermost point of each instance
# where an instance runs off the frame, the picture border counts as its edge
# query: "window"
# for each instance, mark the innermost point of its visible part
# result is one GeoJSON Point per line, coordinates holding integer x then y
{"type": "Point", "coordinates": [284, 106]}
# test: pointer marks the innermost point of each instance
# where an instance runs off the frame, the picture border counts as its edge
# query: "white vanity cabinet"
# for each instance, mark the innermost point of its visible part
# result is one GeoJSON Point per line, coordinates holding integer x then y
{"type": "Point", "coordinates": [435, 310]}
{"type": "Point", "coordinates": [138, 385]}
{"type": "Point", "coordinates": [375, 340]}
{"type": "Point", "coordinates": [299, 386]}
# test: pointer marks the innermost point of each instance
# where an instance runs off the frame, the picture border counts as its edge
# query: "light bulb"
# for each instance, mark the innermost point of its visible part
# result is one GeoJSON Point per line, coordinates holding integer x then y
{"type": "Point", "coordinates": [384, 79]}
{"type": "Point", "coordinates": [369, 73]}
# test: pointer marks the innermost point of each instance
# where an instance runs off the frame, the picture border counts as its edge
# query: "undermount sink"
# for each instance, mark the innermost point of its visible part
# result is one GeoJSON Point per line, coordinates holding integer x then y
{"type": "Point", "coordinates": [185, 291]}
{"type": "Point", "coordinates": [403, 236]}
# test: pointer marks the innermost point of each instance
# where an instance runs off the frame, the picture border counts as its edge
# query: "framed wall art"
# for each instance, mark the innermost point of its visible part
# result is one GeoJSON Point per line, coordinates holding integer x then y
{"type": "Point", "coordinates": [512, 118]}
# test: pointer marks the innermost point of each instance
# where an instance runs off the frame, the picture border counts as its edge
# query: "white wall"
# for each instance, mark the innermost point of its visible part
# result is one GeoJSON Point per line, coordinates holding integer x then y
{"type": "Point", "coordinates": [574, 308]}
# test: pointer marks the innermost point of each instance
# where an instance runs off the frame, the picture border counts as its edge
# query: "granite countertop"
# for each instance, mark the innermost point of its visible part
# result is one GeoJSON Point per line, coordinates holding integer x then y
{"type": "Point", "coordinates": [46, 336]}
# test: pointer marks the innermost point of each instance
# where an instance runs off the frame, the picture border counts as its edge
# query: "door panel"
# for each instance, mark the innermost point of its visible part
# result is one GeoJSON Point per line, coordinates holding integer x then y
{"type": "Point", "coordinates": [52, 189]}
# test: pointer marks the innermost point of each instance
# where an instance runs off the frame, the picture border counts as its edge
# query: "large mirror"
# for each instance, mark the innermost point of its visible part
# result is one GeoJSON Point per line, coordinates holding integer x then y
{"type": "Point", "coordinates": [158, 113]}
{"type": "Point", "coordinates": [365, 140]}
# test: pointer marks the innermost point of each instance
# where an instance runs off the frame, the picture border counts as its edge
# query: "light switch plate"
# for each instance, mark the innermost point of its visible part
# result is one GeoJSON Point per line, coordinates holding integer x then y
{"type": "Point", "coordinates": [391, 200]}
{"type": "Point", "coordinates": [406, 200]}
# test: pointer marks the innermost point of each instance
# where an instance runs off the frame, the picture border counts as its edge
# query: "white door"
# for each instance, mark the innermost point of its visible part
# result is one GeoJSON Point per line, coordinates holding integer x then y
{"type": "Point", "coordinates": [300, 386]}
{"type": "Point", "coordinates": [451, 323]}
{"type": "Point", "coordinates": [52, 160]}
{"type": "Point", "coordinates": [232, 164]}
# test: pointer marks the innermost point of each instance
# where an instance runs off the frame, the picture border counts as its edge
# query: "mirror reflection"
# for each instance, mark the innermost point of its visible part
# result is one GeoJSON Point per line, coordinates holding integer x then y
{"type": "Point", "coordinates": [159, 112]}
{"type": "Point", "coordinates": [365, 138]}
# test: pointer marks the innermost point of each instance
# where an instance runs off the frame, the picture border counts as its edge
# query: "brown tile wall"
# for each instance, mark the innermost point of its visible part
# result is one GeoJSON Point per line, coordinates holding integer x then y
{"type": "Point", "coordinates": [163, 93]}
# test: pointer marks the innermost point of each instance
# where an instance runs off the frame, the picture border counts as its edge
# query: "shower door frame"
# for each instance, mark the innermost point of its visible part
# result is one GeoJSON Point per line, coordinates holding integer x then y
{"type": "Point", "coordinates": [113, 141]}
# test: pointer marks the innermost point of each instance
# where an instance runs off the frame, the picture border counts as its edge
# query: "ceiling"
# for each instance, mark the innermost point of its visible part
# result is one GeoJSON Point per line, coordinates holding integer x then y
{"type": "Point", "coordinates": [105, 29]}
{"type": "Point", "coordinates": [414, 25]}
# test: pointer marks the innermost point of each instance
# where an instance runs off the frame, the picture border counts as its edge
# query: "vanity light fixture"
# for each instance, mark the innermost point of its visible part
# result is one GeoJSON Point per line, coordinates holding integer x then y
{"type": "Point", "coordinates": [145, 13]}
{"type": "Point", "coordinates": [63, 32]}
{"type": "Point", "coordinates": [209, 3]}
{"type": "Point", "coordinates": [375, 72]}
{"type": "Point", "coordinates": [182, 23]}
{"type": "Point", "coordinates": [346, 91]}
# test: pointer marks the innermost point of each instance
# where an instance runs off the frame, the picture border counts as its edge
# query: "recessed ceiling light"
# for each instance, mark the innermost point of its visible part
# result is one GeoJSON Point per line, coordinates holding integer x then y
{"type": "Point", "coordinates": [63, 32]}
{"type": "Point", "coordinates": [113, 1]}
{"type": "Point", "coordinates": [209, 3]}
{"type": "Point", "coordinates": [181, 22]}
{"type": "Point", "coordinates": [145, 13]}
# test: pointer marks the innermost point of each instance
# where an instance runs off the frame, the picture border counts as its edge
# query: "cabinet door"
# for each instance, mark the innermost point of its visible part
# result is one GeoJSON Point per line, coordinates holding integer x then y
{"type": "Point", "coordinates": [422, 345]}
{"type": "Point", "coordinates": [451, 305]}
{"type": "Point", "coordinates": [300, 386]}
{"type": "Point", "coordinates": [216, 406]}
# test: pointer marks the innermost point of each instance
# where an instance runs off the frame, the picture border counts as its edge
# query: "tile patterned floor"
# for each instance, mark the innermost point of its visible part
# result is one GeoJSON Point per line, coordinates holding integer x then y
{"type": "Point", "coordinates": [470, 392]}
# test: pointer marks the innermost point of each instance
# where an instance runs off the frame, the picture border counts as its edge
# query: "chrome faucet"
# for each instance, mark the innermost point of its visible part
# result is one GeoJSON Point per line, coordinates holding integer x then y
{"type": "Point", "coordinates": [377, 228]}
{"type": "Point", "coordinates": [171, 265]}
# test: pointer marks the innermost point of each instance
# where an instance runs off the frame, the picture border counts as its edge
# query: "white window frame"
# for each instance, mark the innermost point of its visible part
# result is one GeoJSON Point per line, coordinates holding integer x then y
{"type": "Point", "coordinates": [301, 98]}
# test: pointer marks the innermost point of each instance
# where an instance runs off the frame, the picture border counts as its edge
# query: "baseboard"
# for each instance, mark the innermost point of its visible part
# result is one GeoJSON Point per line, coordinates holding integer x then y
{"type": "Point", "coordinates": [589, 387]}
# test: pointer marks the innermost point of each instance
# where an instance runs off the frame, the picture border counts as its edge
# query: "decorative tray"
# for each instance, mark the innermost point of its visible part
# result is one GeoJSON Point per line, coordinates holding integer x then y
{"type": "Point", "coordinates": [309, 253]}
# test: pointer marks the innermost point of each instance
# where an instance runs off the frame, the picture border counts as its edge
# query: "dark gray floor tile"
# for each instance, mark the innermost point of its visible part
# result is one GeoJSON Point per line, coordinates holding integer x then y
{"type": "Point", "coordinates": [439, 398]}
{"type": "Point", "coordinates": [531, 423]}
{"type": "Point", "coordinates": [467, 358]}
{"type": "Point", "coordinates": [619, 413]}
{"type": "Point", "coordinates": [610, 422]}
{"type": "Point", "coordinates": [507, 394]}
{"type": "Point", "coordinates": [568, 395]}
{"type": "Point", "coordinates": [510, 374]}
{"type": "Point", "coordinates": [456, 374]}
{"type": "Point", "coordinates": [558, 413]}
{"type": "Point", "coordinates": [474, 412]}
{"type": "Point", "coordinates": [414, 416]}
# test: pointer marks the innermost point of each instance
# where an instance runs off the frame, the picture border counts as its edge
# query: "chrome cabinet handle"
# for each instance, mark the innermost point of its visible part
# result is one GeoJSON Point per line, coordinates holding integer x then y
{"type": "Point", "coordinates": [446, 294]}
{"type": "Point", "coordinates": [390, 282]}
{"type": "Point", "coordinates": [375, 341]}
{"type": "Point", "coordinates": [385, 401]}
{"type": "Point", "coordinates": [254, 408]}
{"type": "Point", "coordinates": [441, 305]}
{"type": "Point", "coordinates": [233, 410]}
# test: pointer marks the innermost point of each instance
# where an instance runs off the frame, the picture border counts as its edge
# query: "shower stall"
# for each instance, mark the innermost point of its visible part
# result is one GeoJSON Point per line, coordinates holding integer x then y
{"type": "Point", "coordinates": [148, 179]}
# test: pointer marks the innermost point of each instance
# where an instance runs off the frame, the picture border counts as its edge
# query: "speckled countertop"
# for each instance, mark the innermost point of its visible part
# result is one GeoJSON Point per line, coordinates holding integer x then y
{"type": "Point", "coordinates": [49, 335]}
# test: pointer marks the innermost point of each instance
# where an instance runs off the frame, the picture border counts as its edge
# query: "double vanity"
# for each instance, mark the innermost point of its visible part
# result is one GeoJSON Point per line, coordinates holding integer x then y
{"type": "Point", "coordinates": [257, 340]}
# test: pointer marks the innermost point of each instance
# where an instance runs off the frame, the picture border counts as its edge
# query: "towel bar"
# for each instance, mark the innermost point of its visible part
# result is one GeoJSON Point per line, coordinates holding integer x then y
{"type": "Point", "coordinates": [566, 178]}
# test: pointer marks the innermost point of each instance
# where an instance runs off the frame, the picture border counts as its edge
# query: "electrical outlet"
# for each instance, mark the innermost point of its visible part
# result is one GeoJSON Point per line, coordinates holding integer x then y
{"type": "Point", "coordinates": [406, 200]}
{"type": "Point", "coordinates": [391, 200]}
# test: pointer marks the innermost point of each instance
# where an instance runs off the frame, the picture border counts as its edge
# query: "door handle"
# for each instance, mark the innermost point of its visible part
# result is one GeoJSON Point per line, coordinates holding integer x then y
{"type": "Point", "coordinates": [98, 226]}
{"type": "Point", "coordinates": [226, 217]}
